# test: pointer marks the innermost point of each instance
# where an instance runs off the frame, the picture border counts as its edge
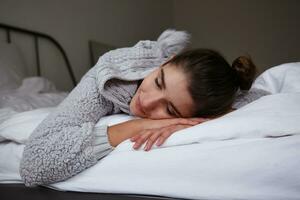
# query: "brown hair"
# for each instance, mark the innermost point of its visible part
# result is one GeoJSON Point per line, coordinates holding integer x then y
{"type": "Point", "coordinates": [213, 83]}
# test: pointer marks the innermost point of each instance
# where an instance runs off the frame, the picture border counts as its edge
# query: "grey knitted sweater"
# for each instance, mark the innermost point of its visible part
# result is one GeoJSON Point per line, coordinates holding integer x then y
{"type": "Point", "coordinates": [67, 141]}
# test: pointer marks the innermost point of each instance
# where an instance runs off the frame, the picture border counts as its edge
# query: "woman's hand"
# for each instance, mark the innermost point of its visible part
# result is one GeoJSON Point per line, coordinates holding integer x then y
{"type": "Point", "coordinates": [161, 134]}
{"type": "Point", "coordinates": [125, 130]}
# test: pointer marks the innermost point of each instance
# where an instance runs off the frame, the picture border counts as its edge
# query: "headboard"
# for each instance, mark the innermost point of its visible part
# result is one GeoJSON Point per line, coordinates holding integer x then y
{"type": "Point", "coordinates": [37, 38]}
{"type": "Point", "coordinates": [97, 49]}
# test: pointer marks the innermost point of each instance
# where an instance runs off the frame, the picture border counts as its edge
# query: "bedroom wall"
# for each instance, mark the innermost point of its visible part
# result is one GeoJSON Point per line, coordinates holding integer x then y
{"type": "Point", "coordinates": [74, 22]}
{"type": "Point", "coordinates": [268, 30]}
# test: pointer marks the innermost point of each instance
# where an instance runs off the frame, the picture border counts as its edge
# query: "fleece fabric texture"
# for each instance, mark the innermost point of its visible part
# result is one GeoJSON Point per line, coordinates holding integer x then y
{"type": "Point", "coordinates": [67, 142]}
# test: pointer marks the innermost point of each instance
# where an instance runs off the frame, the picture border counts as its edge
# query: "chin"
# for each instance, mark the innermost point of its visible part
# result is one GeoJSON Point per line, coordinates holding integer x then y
{"type": "Point", "coordinates": [131, 109]}
{"type": "Point", "coordinates": [134, 113]}
{"type": "Point", "coordinates": [137, 114]}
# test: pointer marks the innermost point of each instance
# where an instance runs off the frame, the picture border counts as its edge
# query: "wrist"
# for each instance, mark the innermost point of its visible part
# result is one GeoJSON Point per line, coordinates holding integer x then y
{"type": "Point", "coordinates": [119, 132]}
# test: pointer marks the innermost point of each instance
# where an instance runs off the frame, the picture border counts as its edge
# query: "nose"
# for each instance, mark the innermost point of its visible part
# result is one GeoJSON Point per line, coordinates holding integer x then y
{"type": "Point", "coordinates": [152, 101]}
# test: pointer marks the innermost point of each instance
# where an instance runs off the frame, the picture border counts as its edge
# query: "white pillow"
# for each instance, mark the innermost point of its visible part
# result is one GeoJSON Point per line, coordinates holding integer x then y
{"type": "Point", "coordinates": [12, 68]}
{"type": "Point", "coordinates": [284, 78]}
{"type": "Point", "coordinates": [18, 127]}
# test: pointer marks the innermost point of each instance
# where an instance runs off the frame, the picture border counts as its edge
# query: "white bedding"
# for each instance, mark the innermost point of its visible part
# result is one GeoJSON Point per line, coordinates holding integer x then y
{"type": "Point", "coordinates": [33, 93]}
{"type": "Point", "coordinates": [252, 153]}
{"type": "Point", "coordinates": [18, 92]}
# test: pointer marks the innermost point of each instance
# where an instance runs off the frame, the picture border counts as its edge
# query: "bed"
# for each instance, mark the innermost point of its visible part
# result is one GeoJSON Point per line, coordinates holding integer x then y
{"type": "Point", "coordinates": [26, 86]}
{"type": "Point", "coordinates": [251, 153]}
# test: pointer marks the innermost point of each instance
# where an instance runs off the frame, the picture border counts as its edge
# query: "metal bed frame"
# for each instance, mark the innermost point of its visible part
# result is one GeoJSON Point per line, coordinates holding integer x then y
{"type": "Point", "coordinates": [37, 36]}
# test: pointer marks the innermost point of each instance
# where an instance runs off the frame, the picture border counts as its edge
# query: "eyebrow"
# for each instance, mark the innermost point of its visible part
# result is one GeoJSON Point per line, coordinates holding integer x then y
{"type": "Point", "coordinates": [163, 83]}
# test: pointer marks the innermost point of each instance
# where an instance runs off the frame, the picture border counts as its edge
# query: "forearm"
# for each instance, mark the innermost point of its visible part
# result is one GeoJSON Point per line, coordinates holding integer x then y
{"type": "Point", "coordinates": [123, 131]}
{"type": "Point", "coordinates": [66, 142]}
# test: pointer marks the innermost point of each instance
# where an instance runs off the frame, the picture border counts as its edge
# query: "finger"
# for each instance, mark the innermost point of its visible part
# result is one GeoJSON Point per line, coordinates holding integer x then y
{"type": "Point", "coordinates": [185, 121]}
{"type": "Point", "coordinates": [167, 132]}
{"type": "Point", "coordinates": [151, 140]}
{"type": "Point", "coordinates": [142, 139]}
{"type": "Point", "coordinates": [176, 121]}
{"type": "Point", "coordinates": [190, 122]}
{"type": "Point", "coordinates": [134, 138]}
{"type": "Point", "coordinates": [198, 119]}
{"type": "Point", "coordinates": [162, 139]}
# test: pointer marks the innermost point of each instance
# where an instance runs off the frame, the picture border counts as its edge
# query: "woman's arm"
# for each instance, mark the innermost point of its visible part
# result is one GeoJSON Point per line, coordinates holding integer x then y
{"type": "Point", "coordinates": [123, 131]}
{"type": "Point", "coordinates": [67, 141]}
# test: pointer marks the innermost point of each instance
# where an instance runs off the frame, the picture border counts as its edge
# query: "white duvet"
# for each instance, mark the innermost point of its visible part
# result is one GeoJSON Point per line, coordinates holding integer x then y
{"type": "Point", "coordinates": [34, 92]}
{"type": "Point", "coordinates": [251, 153]}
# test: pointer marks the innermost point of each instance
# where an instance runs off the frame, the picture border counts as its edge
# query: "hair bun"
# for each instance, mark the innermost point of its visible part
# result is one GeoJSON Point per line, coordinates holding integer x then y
{"type": "Point", "coordinates": [245, 70]}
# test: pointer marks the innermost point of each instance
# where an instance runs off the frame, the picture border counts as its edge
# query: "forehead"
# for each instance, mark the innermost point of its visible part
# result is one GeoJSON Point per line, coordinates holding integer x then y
{"type": "Point", "coordinates": [177, 89]}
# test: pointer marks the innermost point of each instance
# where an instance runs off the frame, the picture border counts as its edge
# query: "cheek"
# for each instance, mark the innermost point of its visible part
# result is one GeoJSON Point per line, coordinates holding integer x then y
{"type": "Point", "coordinates": [149, 80]}
{"type": "Point", "coordinates": [144, 87]}
{"type": "Point", "coordinates": [132, 106]}
{"type": "Point", "coordinates": [132, 101]}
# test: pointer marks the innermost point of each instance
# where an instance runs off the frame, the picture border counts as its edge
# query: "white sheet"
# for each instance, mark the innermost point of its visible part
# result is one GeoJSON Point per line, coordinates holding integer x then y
{"type": "Point", "coordinates": [227, 158]}
{"type": "Point", "coordinates": [259, 168]}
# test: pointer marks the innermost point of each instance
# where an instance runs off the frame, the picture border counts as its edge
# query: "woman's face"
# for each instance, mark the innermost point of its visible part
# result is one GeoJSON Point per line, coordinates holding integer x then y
{"type": "Point", "coordinates": [163, 94]}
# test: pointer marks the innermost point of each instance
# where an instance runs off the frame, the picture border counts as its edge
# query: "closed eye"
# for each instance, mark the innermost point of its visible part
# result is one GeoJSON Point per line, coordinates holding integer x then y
{"type": "Point", "coordinates": [167, 107]}
{"type": "Point", "coordinates": [157, 84]}
{"type": "Point", "coordinates": [160, 83]}
{"type": "Point", "coordinates": [169, 112]}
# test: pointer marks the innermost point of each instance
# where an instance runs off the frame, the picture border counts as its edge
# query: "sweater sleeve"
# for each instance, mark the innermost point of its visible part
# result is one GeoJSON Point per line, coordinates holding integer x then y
{"type": "Point", "coordinates": [246, 97]}
{"type": "Point", "coordinates": [67, 141]}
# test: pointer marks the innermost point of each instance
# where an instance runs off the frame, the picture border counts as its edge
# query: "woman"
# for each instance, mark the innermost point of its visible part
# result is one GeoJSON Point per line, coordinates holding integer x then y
{"type": "Point", "coordinates": [147, 81]}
